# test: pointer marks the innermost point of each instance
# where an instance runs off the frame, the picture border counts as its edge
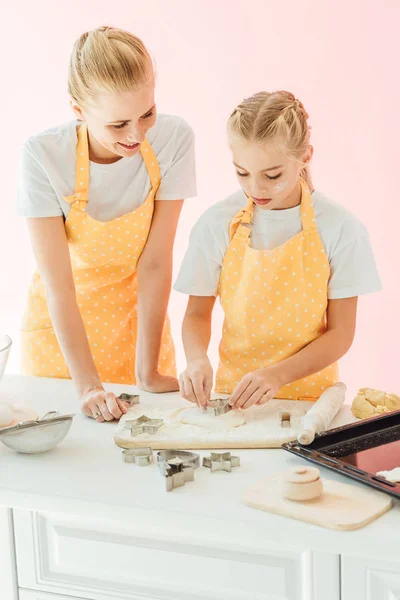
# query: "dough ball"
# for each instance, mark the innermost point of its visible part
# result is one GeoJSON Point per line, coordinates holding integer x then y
{"type": "Point", "coordinates": [6, 416]}
{"type": "Point", "coordinates": [375, 397]}
{"type": "Point", "coordinates": [370, 402]}
{"type": "Point", "coordinates": [208, 420]}
{"type": "Point", "coordinates": [392, 402]}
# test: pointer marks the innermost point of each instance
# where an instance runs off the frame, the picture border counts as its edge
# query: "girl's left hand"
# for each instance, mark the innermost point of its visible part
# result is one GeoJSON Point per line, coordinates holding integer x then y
{"type": "Point", "coordinates": [257, 387]}
{"type": "Point", "coordinates": [158, 384]}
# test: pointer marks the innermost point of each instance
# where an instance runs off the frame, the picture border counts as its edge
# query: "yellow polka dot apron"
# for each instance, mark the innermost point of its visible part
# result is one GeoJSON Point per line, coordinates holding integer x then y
{"type": "Point", "coordinates": [104, 258]}
{"type": "Point", "coordinates": [274, 302]}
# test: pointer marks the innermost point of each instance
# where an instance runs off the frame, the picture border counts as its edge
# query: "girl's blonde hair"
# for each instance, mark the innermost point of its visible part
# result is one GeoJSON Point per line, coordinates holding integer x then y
{"type": "Point", "coordinates": [267, 116]}
{"type": "Point", "coordinates": [107, 59]}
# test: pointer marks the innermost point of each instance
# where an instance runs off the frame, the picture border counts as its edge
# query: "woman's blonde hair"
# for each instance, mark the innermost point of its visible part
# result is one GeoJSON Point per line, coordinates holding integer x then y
{"type": "Point", "coordinates": [107, 59]}
{"type": "Point", "coordinates": [267, 116]}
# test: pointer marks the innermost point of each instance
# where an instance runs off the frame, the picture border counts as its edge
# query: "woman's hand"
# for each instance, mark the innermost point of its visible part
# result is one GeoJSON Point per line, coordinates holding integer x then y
{"type": "Point", "coordinates": [196, 382]}
{"type": "Point", "coordinates": [102, 406]}
{"type": "Point", "coordinates": [158, 384]}
{"type": "Point", "coordinates": [257, 387]}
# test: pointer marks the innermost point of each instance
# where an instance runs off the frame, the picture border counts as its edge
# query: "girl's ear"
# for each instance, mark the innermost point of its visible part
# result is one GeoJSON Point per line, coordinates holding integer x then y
{"type": "Point", "coordinates": [76, 110]}
{"type": "Point", "coordinates": [308, 155]}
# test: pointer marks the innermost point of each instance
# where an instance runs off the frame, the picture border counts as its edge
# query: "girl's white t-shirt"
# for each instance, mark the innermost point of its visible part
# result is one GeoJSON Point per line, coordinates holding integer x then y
{"type": "Point", "coordinates": [345, 239]}
{"type": "Point", "coordinates": [47, 172]}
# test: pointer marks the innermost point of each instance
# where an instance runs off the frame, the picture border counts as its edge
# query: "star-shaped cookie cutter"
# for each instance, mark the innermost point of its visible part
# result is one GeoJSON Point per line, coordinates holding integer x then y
{"type": "Point", "coordinates": [140, 456]}
{"type": "Point", "coordinates": [144, 425]}
{"type": "Point", "coordinates": [130, 399]}
{"type": "Point", "coordinates": [220, 406]}
{"type": "Point", "coordinates": [221, 461]}
{"type": "Point", "coordinates": [176, 474]}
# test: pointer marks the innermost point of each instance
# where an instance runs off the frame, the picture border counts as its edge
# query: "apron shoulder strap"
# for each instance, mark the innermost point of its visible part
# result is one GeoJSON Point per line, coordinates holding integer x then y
{"type": "Point", "coordinates": [82, 168]}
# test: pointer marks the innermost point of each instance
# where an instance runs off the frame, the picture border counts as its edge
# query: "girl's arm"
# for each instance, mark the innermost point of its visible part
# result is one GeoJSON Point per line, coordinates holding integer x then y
{"type": "Point", "coordinates": [196, 381]}
{"type": "Point", "coordinates": [50, 247]}
{"type": "Point", "coordinates": [319, 354]}
{"type": "Point", "coordinates": [154, 287]}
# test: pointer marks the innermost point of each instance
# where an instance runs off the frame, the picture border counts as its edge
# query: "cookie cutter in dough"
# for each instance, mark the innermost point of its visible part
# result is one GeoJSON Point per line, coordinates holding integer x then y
{"type": "Point", "coordinates": [130, 399]}
{"type": "Point", "coordinates": [139, 456]}
{"type": "Point", "coordinates": [221, 461]}
{"type": "Point", "coordinates": [220, 406]}
{"type": "Point", "coordinates": [144, 425]}
{"type": "Point", "coordinates": [177, 466]}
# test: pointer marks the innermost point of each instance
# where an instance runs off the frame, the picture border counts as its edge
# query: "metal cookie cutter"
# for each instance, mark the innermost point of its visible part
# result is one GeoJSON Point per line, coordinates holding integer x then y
{"type": "Point", "coordinates": [140, 456]}
{"type": "Point", "coordinates": [177, 466]}
{"type": "Point", "coordinates": [220, 406]}
{"type": "Point", "coordinates": [144, 425]}
{"type": "Point", "coordinates": [221, 461]}
{"type": "Point", "coordinates": [130, 399]}
{"type": "Point", "coordinates": [189, 459]}
{"type": "Point", "coordinates": [176, 474]}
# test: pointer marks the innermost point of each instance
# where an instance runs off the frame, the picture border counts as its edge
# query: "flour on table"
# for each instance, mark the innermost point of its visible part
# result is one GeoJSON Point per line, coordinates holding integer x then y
{"type": "Point", "coordinates": [207, 419]}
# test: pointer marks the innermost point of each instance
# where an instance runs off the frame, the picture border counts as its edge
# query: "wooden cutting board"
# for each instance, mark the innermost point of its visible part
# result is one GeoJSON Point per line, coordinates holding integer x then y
{"type": "Point", "coordinates": [341, 506]}
{"type": "Point", "coordinates": [264, 428]}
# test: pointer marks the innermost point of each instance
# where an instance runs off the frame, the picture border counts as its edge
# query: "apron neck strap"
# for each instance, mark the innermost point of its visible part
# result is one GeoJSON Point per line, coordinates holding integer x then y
{"type": "Point", "coordinates": [306, 208]}
{"type": "Point", "coordinates": [241, 222]}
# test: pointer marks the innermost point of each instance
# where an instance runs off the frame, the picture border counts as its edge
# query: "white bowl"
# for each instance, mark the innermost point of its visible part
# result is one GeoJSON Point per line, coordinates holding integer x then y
{"type": "Point", "coordinates": [5, 347]}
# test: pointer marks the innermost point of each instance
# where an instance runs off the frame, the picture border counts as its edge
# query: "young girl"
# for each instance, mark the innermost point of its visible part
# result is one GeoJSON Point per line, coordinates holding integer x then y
{"type": "Point", "coordinates": [286, 262]}
{"type": "Point", "coordinates": [103, 195]}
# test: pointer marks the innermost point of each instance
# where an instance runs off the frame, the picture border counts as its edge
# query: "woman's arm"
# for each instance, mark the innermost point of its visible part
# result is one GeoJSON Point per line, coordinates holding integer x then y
{"type": "Point", "coordinates": [197, 380]}
{"type": "Point", "coordinates": [50, 247]}
{"type": "Point", "coordinates": [154, 287]}
{"type": "Point", "coordinates": [319, 354]}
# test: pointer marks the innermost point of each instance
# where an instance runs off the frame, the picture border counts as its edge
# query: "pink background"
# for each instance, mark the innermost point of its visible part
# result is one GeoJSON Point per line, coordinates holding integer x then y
{"type": "Point", "coordinates": [339, 57]}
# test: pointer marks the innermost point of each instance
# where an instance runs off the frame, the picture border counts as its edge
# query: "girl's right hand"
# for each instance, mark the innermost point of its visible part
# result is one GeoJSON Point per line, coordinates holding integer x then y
{"type": "Point", "coordinates": [196, 382]}
{"type": "Point", "coordinates": [102, 406]}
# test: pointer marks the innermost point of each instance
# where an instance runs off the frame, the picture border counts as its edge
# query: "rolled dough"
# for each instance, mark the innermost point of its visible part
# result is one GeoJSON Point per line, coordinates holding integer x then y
{"type": "Point", "coordinates": [207, 419]}
{"type": "Point", "coordinates": [393, 475]}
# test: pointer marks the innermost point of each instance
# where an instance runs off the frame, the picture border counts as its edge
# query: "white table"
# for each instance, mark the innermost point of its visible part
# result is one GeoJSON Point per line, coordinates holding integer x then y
{"type": "Point", "coordinates": [78, 522]}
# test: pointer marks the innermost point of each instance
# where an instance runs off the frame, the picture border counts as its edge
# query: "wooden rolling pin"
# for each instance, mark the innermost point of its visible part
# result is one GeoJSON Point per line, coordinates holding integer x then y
{"type": "Point", "coordinates": [321, 415]}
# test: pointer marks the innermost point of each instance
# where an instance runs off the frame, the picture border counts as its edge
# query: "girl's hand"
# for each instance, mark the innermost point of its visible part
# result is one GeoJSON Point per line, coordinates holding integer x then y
{"type": "Point", "coordinates": [196, 382]}
{"type": "Point", "coordinates": [102, 406]}
{"type": "Point", "coordinates": [158, 384]}
{"type": "Point", "coordinates": [257, 387]}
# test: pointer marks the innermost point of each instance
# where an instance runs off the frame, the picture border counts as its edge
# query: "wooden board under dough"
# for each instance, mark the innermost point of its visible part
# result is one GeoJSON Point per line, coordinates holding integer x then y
{"type": "Point", "coordinates": [341, 506]}
{"type": "Point", "coordinates": [263, 428]}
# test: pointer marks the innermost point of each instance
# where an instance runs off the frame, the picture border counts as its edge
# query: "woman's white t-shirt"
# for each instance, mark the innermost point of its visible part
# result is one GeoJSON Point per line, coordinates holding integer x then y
{"type": "Point", "coordinates": [47, 172]}
{"type": "Point", "coordinates": [345, 239]}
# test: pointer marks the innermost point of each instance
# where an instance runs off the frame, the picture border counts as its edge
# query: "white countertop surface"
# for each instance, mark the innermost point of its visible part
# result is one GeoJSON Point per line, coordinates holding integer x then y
{"type": "Point", "coordinates": [85, 475]}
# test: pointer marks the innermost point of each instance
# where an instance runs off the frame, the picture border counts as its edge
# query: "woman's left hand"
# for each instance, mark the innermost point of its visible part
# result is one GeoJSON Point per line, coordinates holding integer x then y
{"type": "Point", "coordinates": [158, 384]}
{"type": "Point", "coordinates": [257, 387]}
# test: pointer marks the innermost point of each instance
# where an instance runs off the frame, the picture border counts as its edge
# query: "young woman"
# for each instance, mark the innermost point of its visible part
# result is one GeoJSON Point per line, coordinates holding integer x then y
{"type": "Point", "coordinates": [103, 195]}
{"type": "Point", "coordinates": [287, 263]}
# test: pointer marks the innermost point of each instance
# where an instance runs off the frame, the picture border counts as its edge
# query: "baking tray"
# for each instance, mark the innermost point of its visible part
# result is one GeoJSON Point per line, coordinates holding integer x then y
{"type": "Point", "coordinates": [358, 450]}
